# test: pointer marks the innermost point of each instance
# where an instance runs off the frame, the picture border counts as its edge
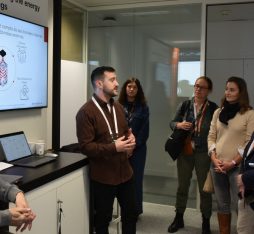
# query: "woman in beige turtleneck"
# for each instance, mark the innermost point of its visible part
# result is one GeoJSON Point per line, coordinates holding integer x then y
{"type": "Point", "coordinates": [231, 128]}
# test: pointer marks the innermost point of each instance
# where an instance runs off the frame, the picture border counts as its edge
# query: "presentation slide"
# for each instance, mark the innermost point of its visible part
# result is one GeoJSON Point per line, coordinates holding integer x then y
{"type": "Point", "coordinates": [23, 64]}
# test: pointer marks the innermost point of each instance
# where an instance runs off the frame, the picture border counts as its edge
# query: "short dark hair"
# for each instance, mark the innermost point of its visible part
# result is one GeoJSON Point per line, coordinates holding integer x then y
{"type": "Point", "coordinates": [244, 101]}
{"type": "Point", "coordinates": [98, 73]}
{"type": "Point", "coordinates": [208, 81]}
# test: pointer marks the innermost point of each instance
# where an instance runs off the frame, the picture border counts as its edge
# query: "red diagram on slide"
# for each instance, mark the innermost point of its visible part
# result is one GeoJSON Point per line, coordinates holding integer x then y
{"type": "Point", "coordinates": [7, 69]}
{"type": "Point", "coordinates": [3, 69]}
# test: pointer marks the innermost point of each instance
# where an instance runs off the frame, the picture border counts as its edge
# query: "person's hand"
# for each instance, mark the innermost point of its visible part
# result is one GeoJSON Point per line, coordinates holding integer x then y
{"type": "Point", "coordinates": [124, 144]}
{"type": "Point", "coordinates": [27, 224]}
{"type": "Point", "coordinates": [218, 164]}
{"type": "Point", "coordinates": [21, 202]}
{"type": "Point", "coordinates": [21, 218]}
{"type": "Point", "coordinates": [184, 125]}
{"type": "Point", "coordinates": [227, 165]}
{"type": "Point", "coordinates": [240, 185]}
{"type": "Point", "coordinates": [131, 136]}
{"type": "Point", "coordinates": [133, 140]}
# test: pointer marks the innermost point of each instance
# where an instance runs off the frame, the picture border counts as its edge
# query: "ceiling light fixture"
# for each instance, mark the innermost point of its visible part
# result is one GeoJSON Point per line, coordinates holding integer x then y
{"type": "Point", "coordinates": [144, 13]}
{"type": "Point", "coordinates": [109, 19]}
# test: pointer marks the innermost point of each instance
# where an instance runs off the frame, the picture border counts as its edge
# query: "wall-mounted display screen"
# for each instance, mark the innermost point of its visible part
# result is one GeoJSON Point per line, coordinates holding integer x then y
{"type": "Point", "coordinates": [23, 64]}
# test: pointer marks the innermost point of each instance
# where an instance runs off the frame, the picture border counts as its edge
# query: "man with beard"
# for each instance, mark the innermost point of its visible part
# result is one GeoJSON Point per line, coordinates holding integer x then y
{"type": "Point", "coordinates": [105, 138]}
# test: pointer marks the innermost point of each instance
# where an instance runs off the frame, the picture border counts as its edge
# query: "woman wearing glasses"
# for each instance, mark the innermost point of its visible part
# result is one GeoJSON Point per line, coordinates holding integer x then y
{"type": "Point", "coordinates": [231, 129]}
{"type": "Point", "coordinates": [194, 115]}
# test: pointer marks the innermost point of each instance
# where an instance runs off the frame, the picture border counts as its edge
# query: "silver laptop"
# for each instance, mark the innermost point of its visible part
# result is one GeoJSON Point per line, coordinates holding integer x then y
{"type": "Point", "coordinates": [15, 150]}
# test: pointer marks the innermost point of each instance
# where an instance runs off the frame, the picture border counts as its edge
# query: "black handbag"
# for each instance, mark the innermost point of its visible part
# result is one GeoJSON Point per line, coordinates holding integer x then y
{"type": "Point", "coordinates": [175, 143]}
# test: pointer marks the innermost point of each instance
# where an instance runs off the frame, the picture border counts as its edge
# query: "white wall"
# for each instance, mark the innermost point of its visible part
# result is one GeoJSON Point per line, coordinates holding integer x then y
{"type": "Point", "coordinates": [230, 52]}
{"type": "Point", "coordinates": [230, 39]}
{"type": "Point", "coordinates": [73, 96]}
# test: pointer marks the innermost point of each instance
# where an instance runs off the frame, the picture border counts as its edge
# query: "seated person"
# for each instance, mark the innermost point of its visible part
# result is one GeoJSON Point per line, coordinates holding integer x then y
{"type": "Point", "coordinates": [20, 216]}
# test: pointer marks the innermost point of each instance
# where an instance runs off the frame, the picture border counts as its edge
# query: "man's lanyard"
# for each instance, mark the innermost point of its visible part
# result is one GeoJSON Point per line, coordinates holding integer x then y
{"type": "Point", "coordinates": [106, 120]}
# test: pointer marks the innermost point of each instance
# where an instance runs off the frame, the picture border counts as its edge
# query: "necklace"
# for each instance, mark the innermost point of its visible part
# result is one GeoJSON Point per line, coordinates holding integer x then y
{"type": "Point", "coordinates": [129, 110]}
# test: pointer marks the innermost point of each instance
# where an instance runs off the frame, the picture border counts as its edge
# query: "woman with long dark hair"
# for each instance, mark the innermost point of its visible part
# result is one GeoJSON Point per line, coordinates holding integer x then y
{"type": "Point", "coordinates": [230, 130]}
{"type": "Point", "coordinates": [137, 114]}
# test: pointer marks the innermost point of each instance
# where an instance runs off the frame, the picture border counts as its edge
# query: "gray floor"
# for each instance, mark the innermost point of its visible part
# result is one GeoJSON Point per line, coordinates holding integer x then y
{"type": "Point", "coordinates": [162, 190]}
{"type": "Point", "coordinates": [159, 211]}
{"type": "Point", "coordinates": [156, 219]}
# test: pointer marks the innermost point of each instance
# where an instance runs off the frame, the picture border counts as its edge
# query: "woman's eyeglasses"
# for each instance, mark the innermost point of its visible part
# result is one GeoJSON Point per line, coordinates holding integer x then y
{"type": "Point", "coordinates": [196, 86]}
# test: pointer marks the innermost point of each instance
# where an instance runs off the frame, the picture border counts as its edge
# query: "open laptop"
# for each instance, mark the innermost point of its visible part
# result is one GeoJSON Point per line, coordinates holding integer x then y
{"type": "Point", "coordinates": [15, 150]}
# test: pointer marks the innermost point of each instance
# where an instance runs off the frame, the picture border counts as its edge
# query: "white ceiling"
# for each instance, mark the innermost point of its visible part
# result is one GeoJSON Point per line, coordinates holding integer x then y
{"type": "Point", "coordinates": [162, 15]}
{"type": "Point", "coordinates": [220, 12]}
{"type": "Point", "coordinates": [156, 17]}
{"type": "Point", "coordinates": [180, 14]}
{"type": "Point", "coordinates": [96, 3]}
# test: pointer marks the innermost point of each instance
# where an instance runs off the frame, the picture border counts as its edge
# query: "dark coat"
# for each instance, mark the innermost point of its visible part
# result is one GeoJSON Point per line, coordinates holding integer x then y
{"type": "Point", "coordinates": [185, 111]}
{"type": "Point", "coordinates": [247, 166]}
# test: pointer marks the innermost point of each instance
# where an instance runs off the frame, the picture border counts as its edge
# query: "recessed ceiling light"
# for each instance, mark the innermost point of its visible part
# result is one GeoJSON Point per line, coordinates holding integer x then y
{"type": "Point", "coordinates": [109, 19]}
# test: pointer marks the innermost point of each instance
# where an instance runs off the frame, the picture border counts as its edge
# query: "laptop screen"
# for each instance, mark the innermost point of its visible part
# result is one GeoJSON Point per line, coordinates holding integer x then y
{"type": "Point", "coordinates": [15, 146]}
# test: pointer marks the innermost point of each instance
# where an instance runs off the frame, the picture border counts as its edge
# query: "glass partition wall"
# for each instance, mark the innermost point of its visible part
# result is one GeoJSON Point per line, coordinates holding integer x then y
{"type": "Point", "coordinates": [161, 47]}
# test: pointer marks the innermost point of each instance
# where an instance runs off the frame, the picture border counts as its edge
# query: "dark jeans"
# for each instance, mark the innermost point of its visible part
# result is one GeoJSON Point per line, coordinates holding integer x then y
{"type": "Point", "coordinates": [103, 199]}
{"type": "Point", "coordinates": [226, 190]}
{"type": "Point", "coordinates": [137, 161]}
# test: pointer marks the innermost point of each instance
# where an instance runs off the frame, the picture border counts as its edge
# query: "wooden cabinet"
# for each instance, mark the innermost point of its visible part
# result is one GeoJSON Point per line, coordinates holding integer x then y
{"type": "Point", "coordinates": [72, 192]}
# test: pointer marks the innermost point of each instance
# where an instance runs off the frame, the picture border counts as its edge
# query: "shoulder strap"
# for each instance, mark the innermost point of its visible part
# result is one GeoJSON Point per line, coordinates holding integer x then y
{"type": "Point", "coordinates": [185, 108]}
{"type": "Point", "coordinates": [212, 106]}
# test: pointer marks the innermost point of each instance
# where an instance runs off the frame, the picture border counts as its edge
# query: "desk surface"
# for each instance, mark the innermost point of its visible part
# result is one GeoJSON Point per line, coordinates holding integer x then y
{"type": "Point", "coordinates": [34, 177]}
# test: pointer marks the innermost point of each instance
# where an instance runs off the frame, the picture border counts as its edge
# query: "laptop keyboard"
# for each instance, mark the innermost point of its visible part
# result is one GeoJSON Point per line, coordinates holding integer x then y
{"type": "Point", "coordinates": [33, 161]}
{"type": "Point", "coordinates": [30, 159]}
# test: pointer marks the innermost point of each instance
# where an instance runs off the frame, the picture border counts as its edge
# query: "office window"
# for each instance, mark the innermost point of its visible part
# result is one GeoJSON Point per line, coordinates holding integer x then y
{"type": "Point", "coordinates": [188, 71]}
